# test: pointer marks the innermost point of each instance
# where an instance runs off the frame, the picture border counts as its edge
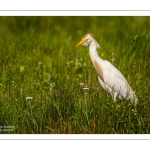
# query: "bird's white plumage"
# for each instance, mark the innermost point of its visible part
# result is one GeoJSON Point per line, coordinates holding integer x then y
{"type": "Point", "coordinates": [110, 78]}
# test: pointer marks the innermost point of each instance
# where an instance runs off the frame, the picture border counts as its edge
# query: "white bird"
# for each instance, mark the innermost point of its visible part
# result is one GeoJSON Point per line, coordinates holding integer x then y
{"type": "Point", "coordinates": [109, 77]}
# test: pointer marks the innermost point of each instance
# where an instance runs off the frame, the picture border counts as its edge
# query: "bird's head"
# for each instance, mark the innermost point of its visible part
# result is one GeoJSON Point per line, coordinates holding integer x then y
{"type": "Point", "coordinates": [87, 40]}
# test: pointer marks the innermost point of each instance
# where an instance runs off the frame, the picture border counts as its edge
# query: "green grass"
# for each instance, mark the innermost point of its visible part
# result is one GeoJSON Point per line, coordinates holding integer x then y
{"type": "Point", "coordinates": [39, 59]}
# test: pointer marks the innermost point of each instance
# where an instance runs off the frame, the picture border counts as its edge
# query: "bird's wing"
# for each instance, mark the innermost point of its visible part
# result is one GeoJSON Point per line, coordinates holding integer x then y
{"type": "Point", "coordinates": [114, 79]}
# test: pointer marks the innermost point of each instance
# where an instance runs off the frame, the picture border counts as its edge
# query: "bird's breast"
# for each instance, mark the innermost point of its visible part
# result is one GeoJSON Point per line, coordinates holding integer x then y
{"type": "Point", "coordinates": [98, 69]}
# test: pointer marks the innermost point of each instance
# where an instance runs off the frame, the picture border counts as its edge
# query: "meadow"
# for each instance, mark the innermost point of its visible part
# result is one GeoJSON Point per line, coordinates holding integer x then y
{"type": "Point", "coordinates": [43, 75]}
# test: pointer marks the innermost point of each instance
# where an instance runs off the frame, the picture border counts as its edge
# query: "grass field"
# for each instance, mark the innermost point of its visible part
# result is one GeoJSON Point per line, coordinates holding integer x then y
{"type": "Point", "coordinates": [41, 71]}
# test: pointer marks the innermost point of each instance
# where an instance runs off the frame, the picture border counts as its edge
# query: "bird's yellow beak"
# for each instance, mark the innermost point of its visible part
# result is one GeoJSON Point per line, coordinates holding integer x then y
{"type": "Point", "coordinates": [81, 42]}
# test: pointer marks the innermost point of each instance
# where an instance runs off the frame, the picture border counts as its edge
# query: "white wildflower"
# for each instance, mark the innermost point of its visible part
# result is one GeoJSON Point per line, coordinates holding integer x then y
{"type": "Point", "coordinates": [29, 97]}
{"type": "Point", "coordinates": [85, 88]}
{"type": "Point", "coordinates": [81, 84]}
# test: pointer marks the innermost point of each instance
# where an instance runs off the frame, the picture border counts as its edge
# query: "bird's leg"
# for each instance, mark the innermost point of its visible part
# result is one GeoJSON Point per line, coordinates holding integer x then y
{"type": "Point", "coordinates": [115, 96]}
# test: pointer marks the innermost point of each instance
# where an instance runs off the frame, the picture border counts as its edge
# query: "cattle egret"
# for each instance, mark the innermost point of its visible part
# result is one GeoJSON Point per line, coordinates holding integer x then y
{"type": "Point", "coordinates": [109, 77]}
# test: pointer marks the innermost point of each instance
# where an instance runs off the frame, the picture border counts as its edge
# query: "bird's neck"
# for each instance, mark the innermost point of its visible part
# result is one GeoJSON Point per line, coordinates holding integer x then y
{"type": "Point", "coordinates": [93, 51]}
